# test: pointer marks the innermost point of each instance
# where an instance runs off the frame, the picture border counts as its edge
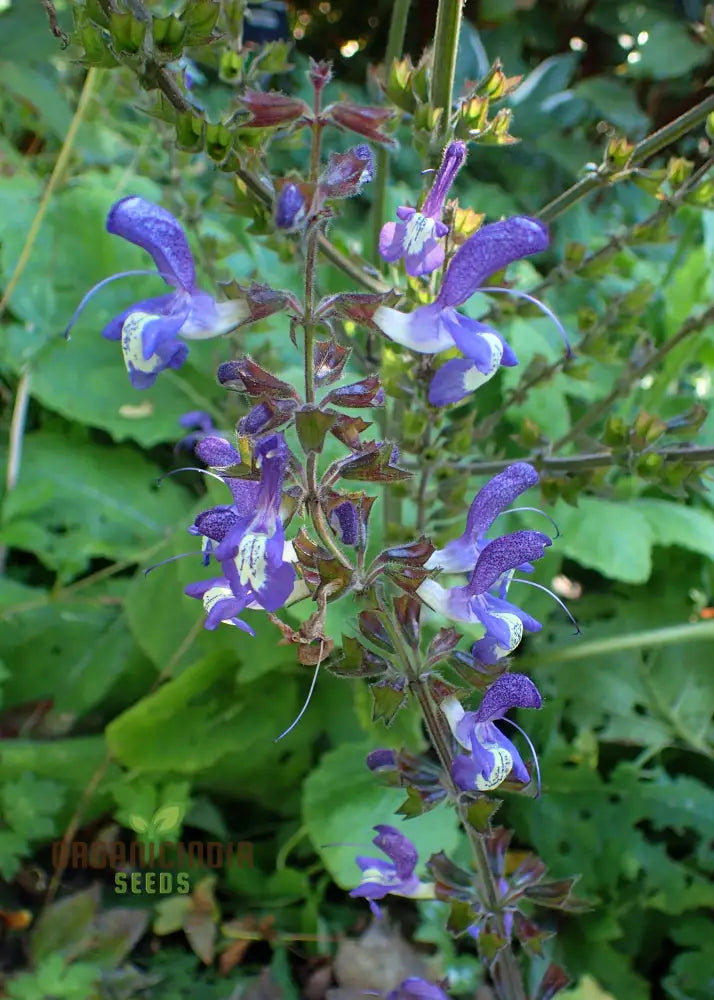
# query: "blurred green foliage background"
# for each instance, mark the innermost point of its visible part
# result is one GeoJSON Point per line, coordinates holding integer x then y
{"type": "Point", "coordinates": [115, 702]}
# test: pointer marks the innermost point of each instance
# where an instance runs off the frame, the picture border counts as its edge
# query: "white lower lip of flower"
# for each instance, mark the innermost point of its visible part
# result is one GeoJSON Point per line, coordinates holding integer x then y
{"type": "Point", "coordinates": [502, 764]}
{"type": "Point", "coordinates": [213, 596]}
{"type": "Point", "coordinates": [223, 317]}
{"type": "Point", "coordinates": [373, 875]}
{"type": "Point", "coordinates": [132, 343]}
{"type": "Point", "coordinates": [515, 629]}
{"type": "Point", "coordinates": [419, 229]}
{"type": "Point", "coordinates": [474, 378]}
{"type": "Point", "coordinates": [250, 560]}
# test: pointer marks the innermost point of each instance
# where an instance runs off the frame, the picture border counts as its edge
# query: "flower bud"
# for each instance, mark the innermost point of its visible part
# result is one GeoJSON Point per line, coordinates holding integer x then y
{"type": "Point", "coordinates": [272, 109]}
{"type": "Point", "coordinates": [290, 208]}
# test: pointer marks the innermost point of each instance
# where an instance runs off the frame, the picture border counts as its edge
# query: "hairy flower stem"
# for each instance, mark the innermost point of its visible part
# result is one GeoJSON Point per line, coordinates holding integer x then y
{"type": "Point", "coordinates": [395, 46]}
{"type": "Point", "coordinates": [446, 44]}
{"type": "Point", "coordinates": [510, 982]}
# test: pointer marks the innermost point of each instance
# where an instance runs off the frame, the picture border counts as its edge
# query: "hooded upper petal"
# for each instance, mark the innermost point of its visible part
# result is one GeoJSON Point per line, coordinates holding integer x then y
{"type": "Point", "coordinates": [397, 847]}
{"type": "Point", "coordinates": [498, 494]}
{"type": "Point", "coordinates": [503, 554]}
{"type": "Point", "coordinates": [155, 230]}
{"type": "Point", "coordinates": [508, 691]}
{"type": "Point", "coordinates": [489, 250]}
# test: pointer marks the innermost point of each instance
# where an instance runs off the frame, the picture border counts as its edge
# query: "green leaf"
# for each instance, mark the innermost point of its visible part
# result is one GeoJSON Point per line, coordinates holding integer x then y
{"type": "Point", "coordinates": [75, 501]}
{"type": "Point", "coordinates": [677, 524]}
{"type": "Point", "coordinates": [612, 537]}
{"type": "Point", "coordinates": [206, 699]}
{"type": "Point", "coordinates": [342, 802]}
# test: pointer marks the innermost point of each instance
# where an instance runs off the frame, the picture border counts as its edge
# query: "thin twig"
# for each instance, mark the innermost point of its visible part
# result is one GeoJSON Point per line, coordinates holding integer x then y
{"type": "Point", "coordinates": [644, 149]}
{"type": "Point", "coordinates": [635, 371]}
{"type": "Point", "coordinates": [695, 455]}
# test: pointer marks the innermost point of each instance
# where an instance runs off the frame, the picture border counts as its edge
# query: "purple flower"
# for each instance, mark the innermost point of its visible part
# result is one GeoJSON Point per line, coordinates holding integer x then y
{"type": "Point", "coordinates": [491, 756]}
{"type": "Point", "coordinates": [247, 537]}
{"type": "Point", "coordinates": [439, 327]}
{"type": "Point", "coordinates": [460, 555]}
{"type": "Point", "coordinates": [396, 876]}
{"type": "Point", "coordinates": [417, 236]}
{"type": "Point", "coordinates": [199, 423]}
{"type": "Point", "coordinates": [149, 329]}
{"type": "Point", "coordinates": [290, 208]}
{"type": "Point", "coordinates": [415, 988]}
{"type": "Point", "coordinates": [476, 603]}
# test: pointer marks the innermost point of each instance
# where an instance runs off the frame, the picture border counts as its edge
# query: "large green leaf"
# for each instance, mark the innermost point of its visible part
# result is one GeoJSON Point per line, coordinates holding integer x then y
{"type": "Point", "coordinates": [207, 699]}
{"type": "Point", "coordinates": [610, 536]}
{"type": "Point", "coordinates": [75, 501]}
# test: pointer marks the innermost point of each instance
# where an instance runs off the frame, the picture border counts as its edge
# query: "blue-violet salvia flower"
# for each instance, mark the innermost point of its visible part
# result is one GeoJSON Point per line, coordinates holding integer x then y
{"type": "Point", "coordinates": [439, 327]}
{"type": "Point", "coordinates": [249, 536]}
{"type": "Point", "coordinates": [290, 208]}
{"type": "Point", "coordinates": [491, 757]}
{"type": "Point", "coordinates": [396, 876]}
{"type": "Point", "coordinates": [460, 555]}
{"type": "Point", "coordinates": [199, 423]}
{"type": "Point", "coordinates": [149, 329]}
{"type": "Point", "coordinates": [415, 988]}
{"type": "Point", "coordinates": [418, 236]}
{"type": "Point", "coordinates": [477, 603]}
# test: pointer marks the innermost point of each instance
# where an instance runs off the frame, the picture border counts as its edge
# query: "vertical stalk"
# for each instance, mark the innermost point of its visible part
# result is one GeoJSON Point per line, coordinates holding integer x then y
{"type": "Point", "coordinates": [510, 986]}
{"type": "Point", "coordinates": [395, 47]}
{"type": "Point", "coordinates": [446, 44]}
{"type": "Point", "coordinates": [391, 505]}
{"type": "Point", "coordinates": [311, 257]}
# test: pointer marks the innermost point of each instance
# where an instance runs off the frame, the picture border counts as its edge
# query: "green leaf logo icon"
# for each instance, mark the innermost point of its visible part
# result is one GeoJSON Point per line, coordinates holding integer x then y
{"type": "Point", "coordinates": [138, 823]}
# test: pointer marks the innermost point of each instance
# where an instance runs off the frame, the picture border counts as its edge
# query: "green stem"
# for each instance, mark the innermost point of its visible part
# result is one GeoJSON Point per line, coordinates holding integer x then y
{"type": "Point", "coordinates": [635, 371]}
{"type": "Point", "coordinates": [446, 44]}
{"type": "Point", "coordinates": [395, 46]}
{"type": "Point", "coordinates": [650, 145]}
{"type": "Point", "coordinates": [691, 632]}
{"type": "Point", "coordinates": [696, 455]}
{"type": "Point", "coordinates": [511, 987]}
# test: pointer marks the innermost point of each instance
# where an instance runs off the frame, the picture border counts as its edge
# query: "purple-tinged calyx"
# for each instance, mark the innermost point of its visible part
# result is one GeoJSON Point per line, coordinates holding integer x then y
{"type": "Point", "coordinates": [438, 327]}
{"type": "Point", "coordinates": [491, 757]}
{"type": "Point", "coordinates": [149, 330]}
{"type": "Point", "coordinates": [345, 173]}
{"type": "Point", "coordinates": [418, 236]}
{"type": "Point", "coordinates": [396, 876]}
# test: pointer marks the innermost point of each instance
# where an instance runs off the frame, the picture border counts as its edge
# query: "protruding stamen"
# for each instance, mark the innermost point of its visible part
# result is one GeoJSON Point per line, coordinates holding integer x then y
{"type": "Point", "coordinates": [307, 700]}
{"type": "Point", "coordinates": [182, 555]}
{"type": "Point", "coordinates": [101, 284]}
{"type": "Point", "coordinates": [191, 468]}
{"type": "Point", "coordinates": [527, 738]}
{"type": "Point", "coordinates": [533, 510]}
{"type": "Point", "coordinates": [539, 305]}
{"type": "Point", "coordinates": [531, 583]}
